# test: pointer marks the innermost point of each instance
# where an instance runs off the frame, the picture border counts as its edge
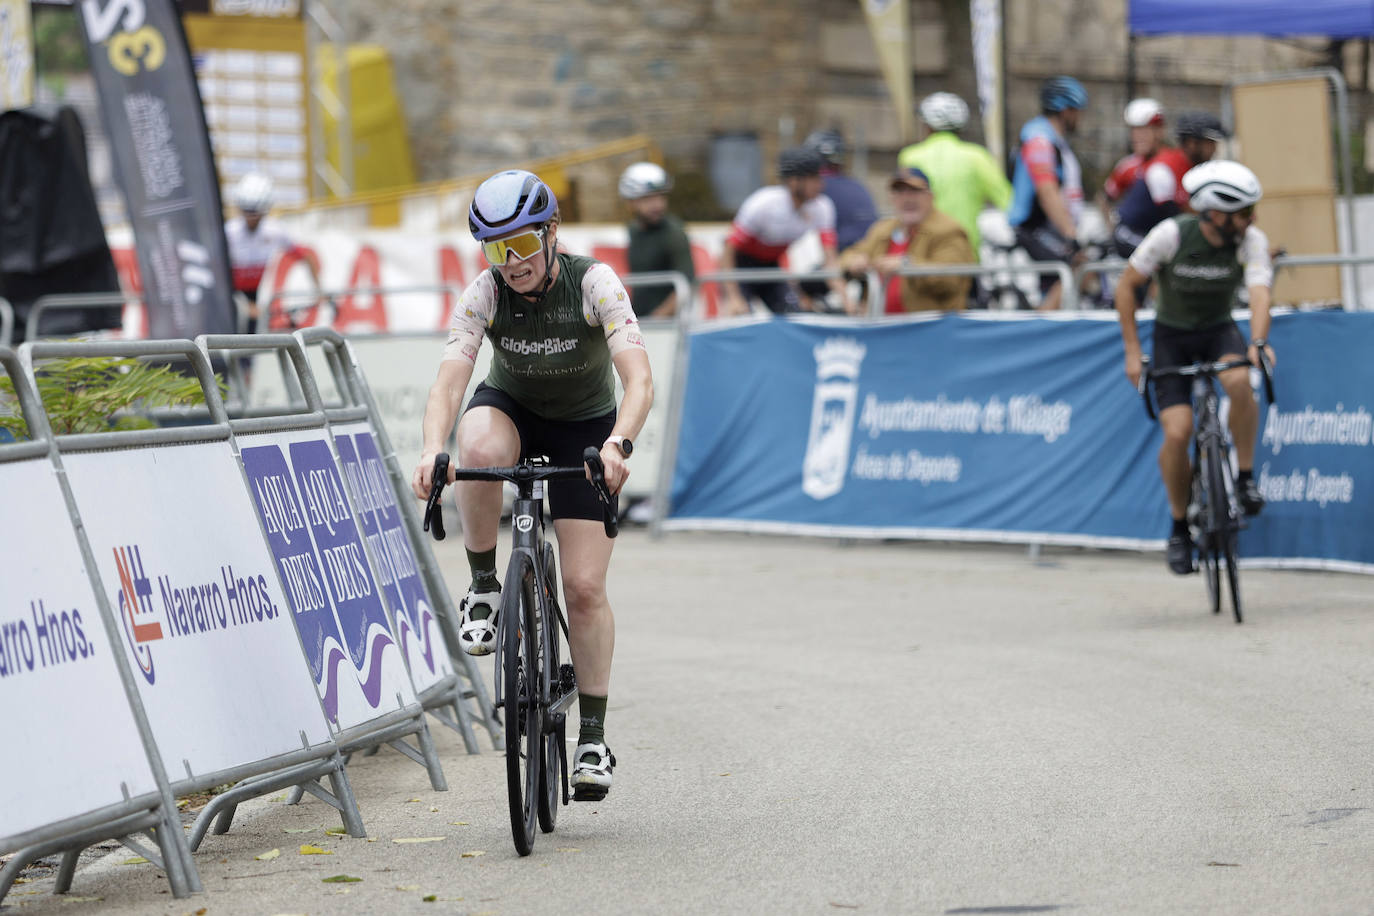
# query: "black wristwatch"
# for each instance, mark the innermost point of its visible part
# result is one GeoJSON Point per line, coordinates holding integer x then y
{"type": "Point", "coordinates": [623, 443]}
{"type": "Point", "coordinates": [1260, 342]}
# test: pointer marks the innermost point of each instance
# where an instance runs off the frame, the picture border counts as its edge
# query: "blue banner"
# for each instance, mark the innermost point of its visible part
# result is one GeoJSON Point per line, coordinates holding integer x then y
{"type": "Point", "coordinates": [314, 538]}
{"type": "Point", "coordinates": [1315, 457]}
{"type": "Point", "coordinates": [384, 529]}
{"type": "Point", "coordinates": [993, 428]}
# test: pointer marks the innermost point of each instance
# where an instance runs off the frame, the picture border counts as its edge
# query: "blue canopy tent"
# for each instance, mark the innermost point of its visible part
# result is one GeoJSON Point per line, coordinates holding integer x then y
{"type": "Point", "coordinates": [1333, 19]}
{"type": "Point", "coordinates": [1272, 18]}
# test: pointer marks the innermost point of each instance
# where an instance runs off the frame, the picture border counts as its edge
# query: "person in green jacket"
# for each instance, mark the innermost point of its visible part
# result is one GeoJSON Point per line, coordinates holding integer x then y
{"type": "Point", "coordinates": [964, 175]}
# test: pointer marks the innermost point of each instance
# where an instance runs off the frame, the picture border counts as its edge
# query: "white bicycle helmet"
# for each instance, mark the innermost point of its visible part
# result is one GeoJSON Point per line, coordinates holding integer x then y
{"type": "Point", "coordinates": [253, 193]}
{"type": "Point", "coordinates": [1144, 112]}
{"type": "Point", "coordinates": [1221, 185]}
{"type": "Point", "coordinates": [643, 179]}
{"type": "Point", "coordinates": [944, 111]}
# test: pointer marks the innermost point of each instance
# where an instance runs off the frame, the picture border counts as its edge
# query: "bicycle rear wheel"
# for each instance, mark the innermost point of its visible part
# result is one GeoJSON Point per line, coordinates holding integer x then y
{"type": "Point", "coordinates": [523, 716]}
{"type": "Point", "coordinates": [1226, 530]}
{"type": "Point", "coordinates": [549, 772]}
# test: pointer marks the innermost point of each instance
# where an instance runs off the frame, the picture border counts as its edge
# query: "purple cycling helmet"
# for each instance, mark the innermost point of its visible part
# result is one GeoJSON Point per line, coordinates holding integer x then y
{"type": "Point", "coordinates": [508, 201]}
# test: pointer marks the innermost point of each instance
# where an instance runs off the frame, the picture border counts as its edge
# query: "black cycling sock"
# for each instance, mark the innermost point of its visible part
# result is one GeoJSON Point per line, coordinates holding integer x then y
{"type": "Point", "coordinates": [1243, 475]}
{"type": "Point", "coordinates": [1180, 527]}
{"type": "Point", "coordinates": [483, 566]}
{"type": "Point", "coordinates": [593, 724]}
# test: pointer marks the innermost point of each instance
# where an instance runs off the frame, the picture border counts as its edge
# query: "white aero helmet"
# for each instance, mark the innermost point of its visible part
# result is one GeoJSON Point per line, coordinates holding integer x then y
{"type": "Point", "coordinates": [643, 179]}
{"type": "Point", "coordinates": [1221, 185]}
{"type": "Point", "coordinates": [1144, 112]}
{"type": "Point", "coordinates": [253, 193]}
{"type": "Point", "coordinates": [944, 111]}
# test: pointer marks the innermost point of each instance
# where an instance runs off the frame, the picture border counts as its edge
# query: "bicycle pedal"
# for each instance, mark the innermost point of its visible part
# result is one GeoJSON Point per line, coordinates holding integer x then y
{"type": "Point", "coordinates": [566, 678]}
{"type": "Point", "coordinates": [589, 793]}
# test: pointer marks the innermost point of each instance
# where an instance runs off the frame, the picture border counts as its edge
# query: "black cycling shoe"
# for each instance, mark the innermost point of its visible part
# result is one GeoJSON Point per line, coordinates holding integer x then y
{"type": "Point", "coordinates": [1180, 554]}
{"type": "Point", "coordinates": [1249, 497]}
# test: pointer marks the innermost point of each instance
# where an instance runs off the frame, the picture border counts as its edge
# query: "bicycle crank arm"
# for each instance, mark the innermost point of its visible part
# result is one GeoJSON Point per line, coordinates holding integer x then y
{"type": "Point", "coordinates": [556, 712]}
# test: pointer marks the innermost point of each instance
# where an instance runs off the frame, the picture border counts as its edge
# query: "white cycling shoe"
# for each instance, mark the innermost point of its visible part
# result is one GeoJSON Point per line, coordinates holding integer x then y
{"type": "Point", "coordinates": [591, 775]}
{"type": "Point", "coordinates": [478, 637]}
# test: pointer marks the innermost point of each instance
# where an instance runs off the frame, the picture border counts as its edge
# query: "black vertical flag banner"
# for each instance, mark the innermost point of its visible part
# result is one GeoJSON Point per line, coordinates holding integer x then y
{"type": "Point", "coordinates": [151, 106]}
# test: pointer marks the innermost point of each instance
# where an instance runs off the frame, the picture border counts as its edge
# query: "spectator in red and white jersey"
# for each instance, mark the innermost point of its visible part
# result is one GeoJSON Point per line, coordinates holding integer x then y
{"type": "Point", "coordinates": [1145, 118]}
{"type": "Point", "coordinates": [254, 241]}
{"type": "Point", "coordinates": [770, 220]}
{"type": "Point", "coordinates": [1159, 193]}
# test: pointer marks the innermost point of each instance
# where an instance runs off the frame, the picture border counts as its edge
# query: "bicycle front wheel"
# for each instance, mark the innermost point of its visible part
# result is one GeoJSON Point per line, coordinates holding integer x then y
{"type": "Point", "coordinates": [550, 771]}
{"type": "Point", "coordinates": [1206, 542]}
{"type": "Point", "coordinates": [523, 716]}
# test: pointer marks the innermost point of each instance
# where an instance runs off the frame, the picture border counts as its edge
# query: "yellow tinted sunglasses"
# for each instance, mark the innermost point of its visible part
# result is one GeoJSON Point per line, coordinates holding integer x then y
{"type": "Point", "coordinates": [524, 246]}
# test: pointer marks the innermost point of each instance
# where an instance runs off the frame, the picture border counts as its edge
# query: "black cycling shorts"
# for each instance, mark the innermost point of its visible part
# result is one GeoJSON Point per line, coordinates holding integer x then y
{"type": "Point", "coordinates": [1178, 347]}
{"type": "Point", "coordinates": [779, 295]}
{"type": "Point", "coordinates": [563, 441]}
{"type": "Point", "coordinates": [1044, 243]}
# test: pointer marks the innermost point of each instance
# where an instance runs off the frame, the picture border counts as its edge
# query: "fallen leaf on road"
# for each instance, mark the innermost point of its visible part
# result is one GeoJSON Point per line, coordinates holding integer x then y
{"type": "Point", "coordinates": [202, 911]}
{"type": "Point", "coordinates": [23, 880]}
{"type": "Point", "coordinates": [407, 887]}
{"type": "Point", "coordinates": [66, 899]}
{"type": "Point", "coordinates": [303, 829]}
{"type": "Point", "coordinates": [568, 849]}
{"type": "Point", "coordinates": [474, 854]}
{"type": "Point", "coordinates": [844, 906]}
{"type": "Point", "coordinates": [269, 855]}
{"type": "Point", "coordinates": [419, 839]}
{"type": "Point", "coordinates": [340, 879]}
{"type": "Point", "coordinates": [1225, 864]}
{"type": "Point", "coordinates": [725, 774]}
{"type": "Point", "coordinates": [336, 831]}
{"type": "Point", "coordinates": [409, 800]}
{"type": "Point", "coordinates": [136, 860]}
{"type": "Point", "coordinates": [459, 823]}
{"type": "Point", "coordinates": [308, 850]}
{"type": "Point", "coordinates": [430, 898]}
{"type": "Point", "coordinates": [434, 810]}
{"type": "Point", "coordinates": [277, 798]}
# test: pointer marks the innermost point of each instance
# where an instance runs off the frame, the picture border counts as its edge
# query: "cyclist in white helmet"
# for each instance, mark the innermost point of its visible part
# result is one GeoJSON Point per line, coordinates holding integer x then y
{"type": "Point", "coordinates": [658, 240]}
{"type": "Point", "coordinates": [1199, 260]}
{"type": "Point", "coordinates": [254, 241]}
{"type": "Point", "coordinates": [965, 176]}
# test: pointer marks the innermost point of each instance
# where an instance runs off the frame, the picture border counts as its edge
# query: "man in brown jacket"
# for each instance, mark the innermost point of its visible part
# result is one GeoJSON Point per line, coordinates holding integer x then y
{"type": "Point", "coordinates": [918, 234]}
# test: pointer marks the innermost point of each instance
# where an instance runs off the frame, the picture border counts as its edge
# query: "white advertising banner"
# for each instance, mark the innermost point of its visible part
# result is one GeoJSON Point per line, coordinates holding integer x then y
{"type": "Point", "coordinates": [182, 559]}
{"type": "Point", "coordinates": [73, 746]}
{"type": "Point", "coordinates": [313, 536]}
{"type": "Point", "coordinates": [413, 609]}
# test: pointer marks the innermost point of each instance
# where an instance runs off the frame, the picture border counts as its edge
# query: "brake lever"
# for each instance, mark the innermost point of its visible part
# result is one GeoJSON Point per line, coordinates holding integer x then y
{"type": "Point", "coordinates": [1142, 385]}
{"type": "Point", "coordinates": [434, 507]}
{"type": "Point", "coordinates": [592, 458]}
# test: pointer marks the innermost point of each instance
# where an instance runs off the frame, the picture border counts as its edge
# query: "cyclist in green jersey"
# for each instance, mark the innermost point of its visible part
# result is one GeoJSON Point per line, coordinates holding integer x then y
{"type": "Point", "coordinates": [964, 175]}
{"type": "Point", "coordinates": [557, 324]}
{"type": "Point", "coordinates": [1199, 261]}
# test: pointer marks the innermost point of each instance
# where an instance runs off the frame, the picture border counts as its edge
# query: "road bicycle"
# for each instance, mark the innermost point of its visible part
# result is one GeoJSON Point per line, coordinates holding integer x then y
{"type": "Point", "coordinates": [1214, 515]}
{"type": "Point", "coordinates": [534, 687]}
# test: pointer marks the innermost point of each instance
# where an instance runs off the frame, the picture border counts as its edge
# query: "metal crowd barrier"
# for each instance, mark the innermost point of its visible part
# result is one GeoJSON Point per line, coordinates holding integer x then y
{"type": "Point", "coordinates": [72, 301]}
{"type": "Point", "coordinates": [1068, 301]}
{"type": "Point", "coordinates": [6, 322]}
{"type": "Point", "coordinates": [154, 815]}
{"type": "Point", "coordinates": [359, 404]}
{"type": "Point", "coordinates": [390, 728]}
{"type": "Point", "coordinates": [305, 766]}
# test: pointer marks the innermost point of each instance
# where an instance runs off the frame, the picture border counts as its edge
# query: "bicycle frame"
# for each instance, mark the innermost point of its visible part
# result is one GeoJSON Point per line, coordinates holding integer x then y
{"type": "Point", "coordinates": [527, 537]}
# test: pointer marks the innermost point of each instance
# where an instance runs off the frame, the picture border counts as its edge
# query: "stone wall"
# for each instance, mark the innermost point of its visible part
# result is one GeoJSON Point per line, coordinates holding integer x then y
{"type": "Point", "coordinates": [486, 83]}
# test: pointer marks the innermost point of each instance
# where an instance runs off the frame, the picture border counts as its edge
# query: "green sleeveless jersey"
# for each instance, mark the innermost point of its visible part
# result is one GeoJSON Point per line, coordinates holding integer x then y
{"type": "Point", "coordinates": [550, 356]}
{"type": "Point", "coordinates": [1198, 284]}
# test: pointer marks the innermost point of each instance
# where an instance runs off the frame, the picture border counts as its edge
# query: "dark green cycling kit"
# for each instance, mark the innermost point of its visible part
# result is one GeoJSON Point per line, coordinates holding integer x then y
{"type": "Point", "coordinates": [1198, 285]}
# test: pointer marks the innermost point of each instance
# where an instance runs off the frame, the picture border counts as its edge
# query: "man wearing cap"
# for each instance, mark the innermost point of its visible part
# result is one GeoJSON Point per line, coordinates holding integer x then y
{"type": "Point", "coordinates": [919, 234]}
{"type": "Point", "coordinates": [1145, 120]}
{"type": "Point", "coordinates": [1159, 194]}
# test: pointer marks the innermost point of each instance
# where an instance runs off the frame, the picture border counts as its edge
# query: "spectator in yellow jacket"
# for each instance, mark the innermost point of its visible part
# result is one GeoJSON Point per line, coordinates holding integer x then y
{"type": "Point", "coordinates": [918, 234]}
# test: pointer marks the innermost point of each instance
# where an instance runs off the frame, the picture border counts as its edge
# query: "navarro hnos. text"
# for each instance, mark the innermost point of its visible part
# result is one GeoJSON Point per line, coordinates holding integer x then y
{"type": "Point", "coordinates": [42, 639]}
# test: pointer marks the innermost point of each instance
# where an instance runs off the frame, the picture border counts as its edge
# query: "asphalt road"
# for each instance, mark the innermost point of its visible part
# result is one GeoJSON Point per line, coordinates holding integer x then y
{"type": "Point", "coordinates": [808, 727]}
